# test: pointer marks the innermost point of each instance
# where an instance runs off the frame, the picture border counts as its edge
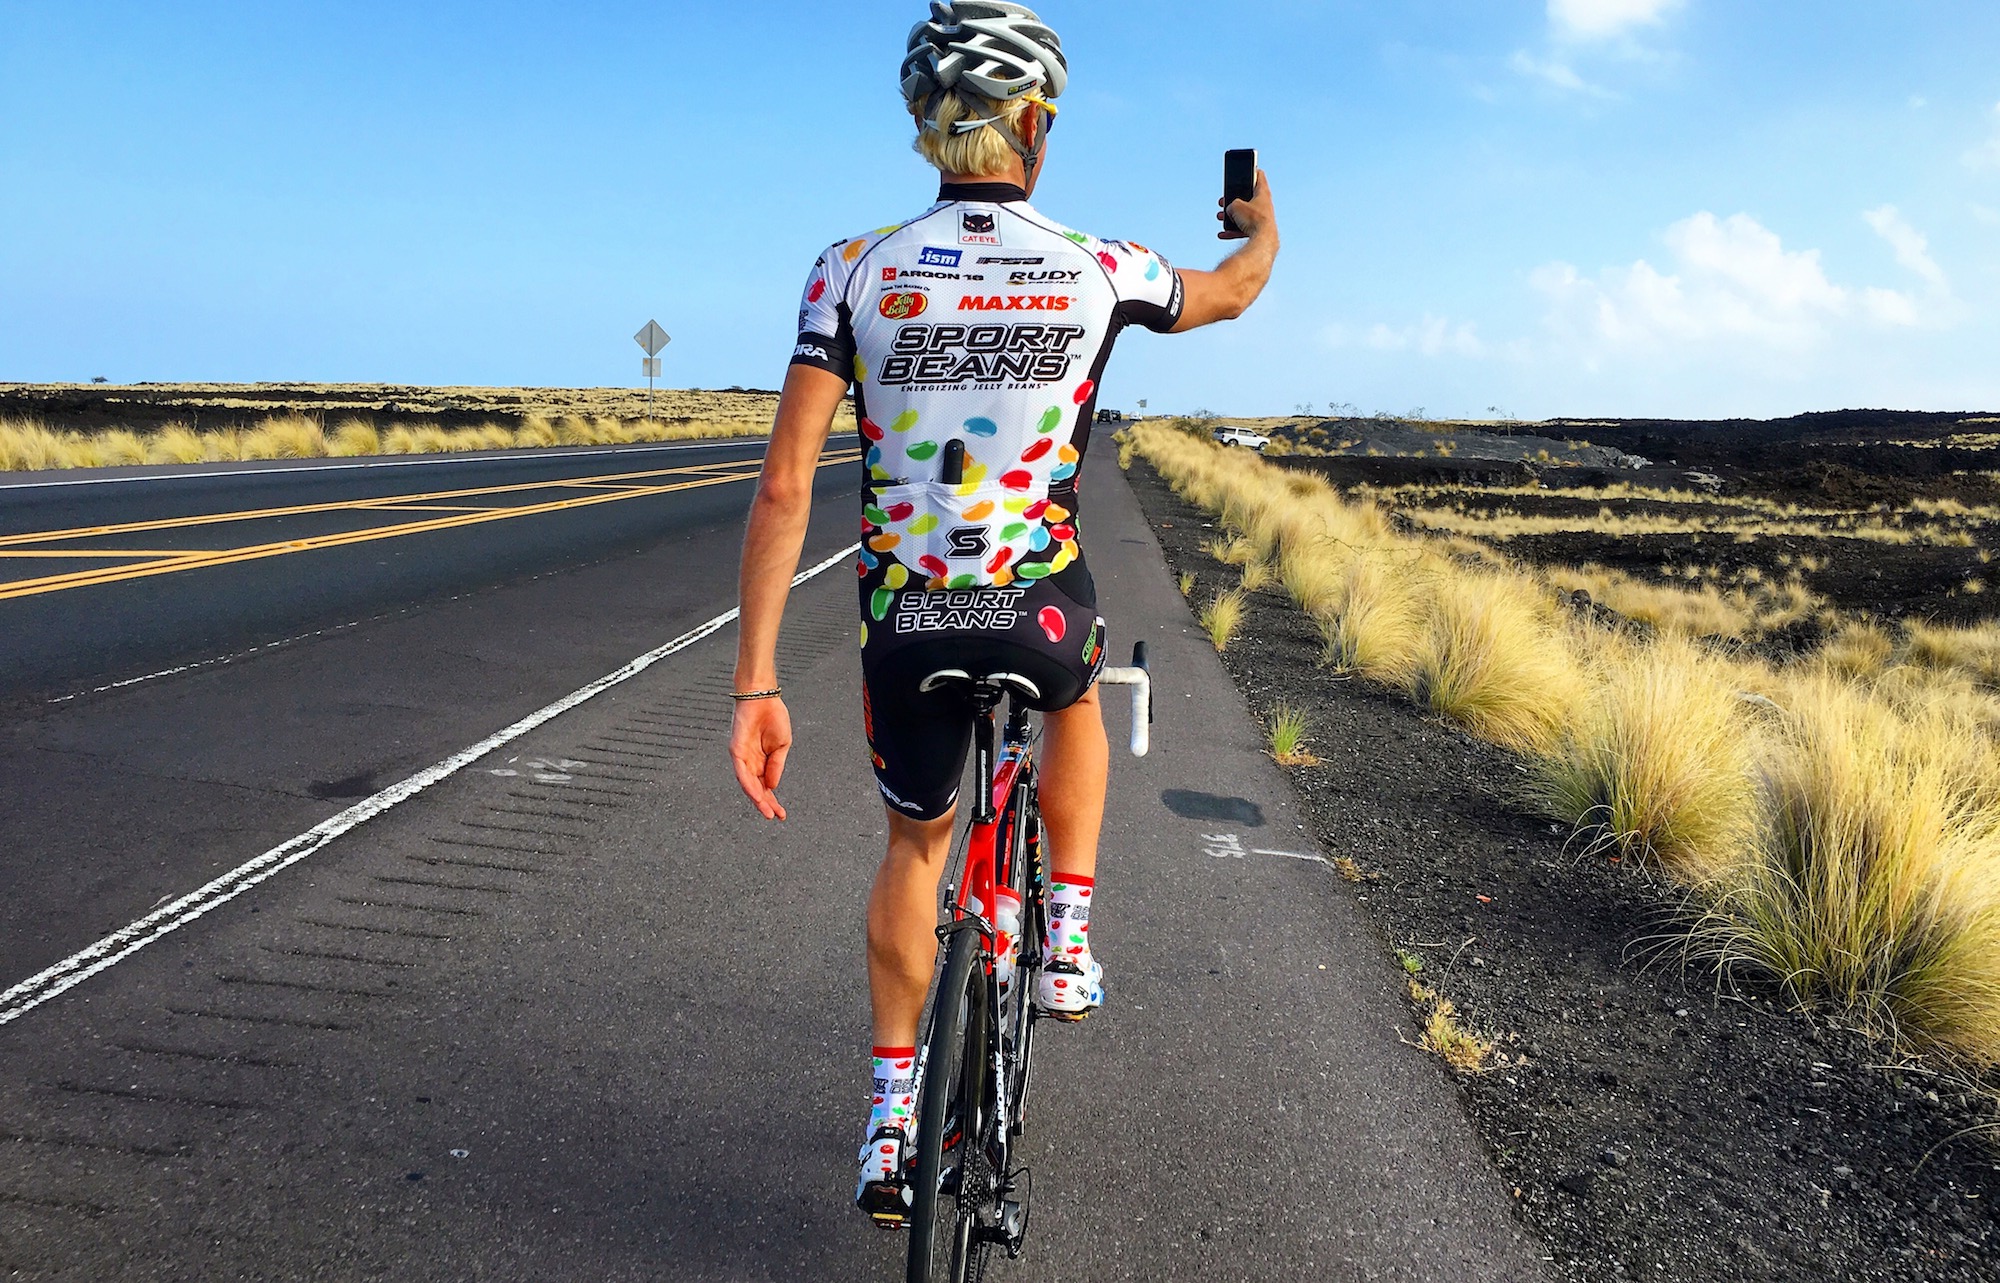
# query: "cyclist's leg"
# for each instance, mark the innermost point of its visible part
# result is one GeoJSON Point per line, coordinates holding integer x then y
{"type": "Point", "coordinates": [1075, 768]}
{"type": "Point", "coordinates": [902, 924]}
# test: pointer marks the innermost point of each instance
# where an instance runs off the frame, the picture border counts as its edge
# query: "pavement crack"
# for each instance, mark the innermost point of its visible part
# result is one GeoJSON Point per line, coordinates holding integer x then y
{"type": "Point", "coordinates": [247, 1018]}
{"type": "Point", "coordinates": [150, 1097]}
{"type": "Point", "coordinates": [442, 886]}
{"type": "Point", "coordinates": [492, 846]}
{"type": "Point", "coordinates": [364, 902]}
{"type": "Point", "coordinates": [304, 986]}
{"type": "Point", "coordinates": [478, 864]}
{"type": "Point", "coordinates": [59, 1204]}
{"type": "Point", "coordinates": [380, 931]}
{"type": "Point", "coordinates": [340, 957]}
{"type": "Point", "coordinates": [77, 1142]}
{"type": "Point", "coordinates": [195, 1053]}
{"type": "Point", "coordinates": [515, 828]}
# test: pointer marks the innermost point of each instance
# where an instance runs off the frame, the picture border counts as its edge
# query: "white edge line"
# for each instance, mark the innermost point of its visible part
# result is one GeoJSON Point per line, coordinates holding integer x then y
{"type": "Point", "coordinates": [128, 940]}
{"type": "Point", "coordinates": [511, 456]}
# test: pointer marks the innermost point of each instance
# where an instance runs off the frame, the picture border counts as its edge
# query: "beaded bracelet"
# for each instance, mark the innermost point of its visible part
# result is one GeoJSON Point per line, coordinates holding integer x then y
{"type": "Point", "coordinates": [773, 693]}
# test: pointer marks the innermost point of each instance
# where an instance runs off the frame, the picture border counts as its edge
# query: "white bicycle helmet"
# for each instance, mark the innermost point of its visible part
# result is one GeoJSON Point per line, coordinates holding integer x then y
{"type": "Point", "coordinates": [995, 49]}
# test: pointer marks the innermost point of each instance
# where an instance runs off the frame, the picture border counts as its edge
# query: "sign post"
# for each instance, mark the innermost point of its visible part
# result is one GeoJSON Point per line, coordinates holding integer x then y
{"type": "Point", "coordinates": [652, 339]}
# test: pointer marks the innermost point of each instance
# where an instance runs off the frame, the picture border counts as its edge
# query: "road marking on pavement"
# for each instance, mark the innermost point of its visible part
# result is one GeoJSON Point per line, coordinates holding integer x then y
{"type": "Point", "coordinates": [698, 477]}
{"type": "Point", "coordinates": [1226, 846]}
{"type": "Point", "coordinates": [121, 944]}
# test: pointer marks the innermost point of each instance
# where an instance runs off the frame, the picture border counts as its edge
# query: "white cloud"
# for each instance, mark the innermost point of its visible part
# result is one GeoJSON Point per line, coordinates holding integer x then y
{"type": "Point", "coordinates": [1911, 247]}
{"type": "Point", "coordinates": [1987, 154]}
{"type": "Point", "coordinates": [1731, 285]}
{"type": "Point", "coordinates": [1554, 72]}
{"type": "Point", "coordinates": [1604, 19]}
{"type": "Point", "coordinates": [1434, 336]}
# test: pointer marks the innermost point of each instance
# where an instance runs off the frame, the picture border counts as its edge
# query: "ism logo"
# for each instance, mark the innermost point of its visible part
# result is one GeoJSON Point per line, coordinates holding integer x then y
{"type": "Point", "coordinates": [902, 306]}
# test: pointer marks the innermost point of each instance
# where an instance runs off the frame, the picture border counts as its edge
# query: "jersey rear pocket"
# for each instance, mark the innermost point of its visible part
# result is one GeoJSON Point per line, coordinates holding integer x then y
{"type": "Point", "coordinates": [956, 536]}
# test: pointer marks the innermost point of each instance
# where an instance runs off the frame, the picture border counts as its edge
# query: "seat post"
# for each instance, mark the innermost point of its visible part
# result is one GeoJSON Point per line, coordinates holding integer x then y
{"type": "Point", "coordinates": [985, 698]}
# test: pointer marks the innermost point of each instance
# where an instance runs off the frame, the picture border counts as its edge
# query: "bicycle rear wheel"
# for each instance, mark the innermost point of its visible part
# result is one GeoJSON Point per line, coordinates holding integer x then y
{"type": "Point", "coordinates": [950, 1176]}
{"type": "Point", "coordinates": [1021, 827]}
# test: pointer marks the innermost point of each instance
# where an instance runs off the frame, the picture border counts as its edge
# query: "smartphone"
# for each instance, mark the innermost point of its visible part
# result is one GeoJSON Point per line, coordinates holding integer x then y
{"type": "Point", "coordinates": [1239, 180]}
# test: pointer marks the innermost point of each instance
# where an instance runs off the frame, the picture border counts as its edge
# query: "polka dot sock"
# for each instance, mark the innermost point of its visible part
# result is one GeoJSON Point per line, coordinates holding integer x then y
{"type": "Point", "coordinates": [1068, 935]}
{"type": "Point", "coordinates": [894, 1100]}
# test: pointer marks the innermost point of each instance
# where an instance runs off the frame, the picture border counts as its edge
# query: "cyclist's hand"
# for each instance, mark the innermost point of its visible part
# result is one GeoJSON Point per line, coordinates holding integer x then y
{"type": "Point", "coordinates": [759, 742]}
{"type": "Point", "coordinates": [1251, 216]}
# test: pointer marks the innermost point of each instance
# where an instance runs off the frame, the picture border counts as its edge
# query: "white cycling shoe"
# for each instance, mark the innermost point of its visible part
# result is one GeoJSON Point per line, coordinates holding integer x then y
{"type": "Point", "coordinates": [1067, 991]}
{"type": "Point", "coordinates": [884, 1188]}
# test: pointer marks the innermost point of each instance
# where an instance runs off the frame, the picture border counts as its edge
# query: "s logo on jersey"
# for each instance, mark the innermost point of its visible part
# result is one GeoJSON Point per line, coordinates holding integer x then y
{"type": "Point", "coordinates": [902, 306]}
{"type": "Point", "coordinates": [966, 541]}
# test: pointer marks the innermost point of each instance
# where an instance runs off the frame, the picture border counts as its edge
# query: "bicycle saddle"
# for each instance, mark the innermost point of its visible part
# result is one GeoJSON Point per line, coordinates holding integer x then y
{"type": "Point", "coordinates": [1014, 682]}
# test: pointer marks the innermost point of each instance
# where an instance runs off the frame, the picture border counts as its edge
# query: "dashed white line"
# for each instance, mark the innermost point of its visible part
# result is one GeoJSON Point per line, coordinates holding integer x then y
{"type": "Point", "coordinates": [80, 966]}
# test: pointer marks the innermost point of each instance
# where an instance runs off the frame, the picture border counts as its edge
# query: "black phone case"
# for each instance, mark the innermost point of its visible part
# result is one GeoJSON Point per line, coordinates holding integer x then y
{"type": "Point", "coordinates": [1239, 180]}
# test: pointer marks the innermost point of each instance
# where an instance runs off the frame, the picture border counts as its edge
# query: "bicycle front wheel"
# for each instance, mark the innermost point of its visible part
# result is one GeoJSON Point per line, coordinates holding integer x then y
{"type": "Point", "coordinates": [950, 1173]}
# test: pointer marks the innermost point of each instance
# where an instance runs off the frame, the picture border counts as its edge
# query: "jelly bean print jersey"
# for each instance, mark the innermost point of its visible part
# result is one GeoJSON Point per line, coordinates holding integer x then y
{"type": "Point", "coordinates": [983, 322]}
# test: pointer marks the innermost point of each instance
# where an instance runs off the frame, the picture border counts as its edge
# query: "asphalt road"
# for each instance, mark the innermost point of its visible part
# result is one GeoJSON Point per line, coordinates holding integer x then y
{"type": "Point", "coordinates": [574, 1012]}
{"type": "Point", "coordinates": [312, 676]}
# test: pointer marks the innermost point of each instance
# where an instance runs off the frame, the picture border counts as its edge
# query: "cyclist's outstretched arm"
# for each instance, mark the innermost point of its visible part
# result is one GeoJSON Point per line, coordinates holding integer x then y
{"type": "Point", "coordinates": [762, 732]}
{"type": "Point", "coordinates": [1227, 292]}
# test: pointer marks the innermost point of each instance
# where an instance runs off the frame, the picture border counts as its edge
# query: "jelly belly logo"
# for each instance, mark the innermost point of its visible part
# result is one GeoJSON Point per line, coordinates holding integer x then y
{"type": "Point", "coordinates": [929, 257]}
{"type": "Point", "coordinates": [976, 228]}
{"type": "Point", "coordinates": [903, 305]}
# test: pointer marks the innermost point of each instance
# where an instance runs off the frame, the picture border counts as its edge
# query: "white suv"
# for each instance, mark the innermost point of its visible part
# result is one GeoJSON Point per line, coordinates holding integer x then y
{"type": "Point", "coordinates": [1242, 436]}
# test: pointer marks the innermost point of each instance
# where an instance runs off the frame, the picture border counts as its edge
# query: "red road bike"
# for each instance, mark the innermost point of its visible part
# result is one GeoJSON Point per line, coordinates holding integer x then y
{"type": "Point", "coordinates": [969, 1196]}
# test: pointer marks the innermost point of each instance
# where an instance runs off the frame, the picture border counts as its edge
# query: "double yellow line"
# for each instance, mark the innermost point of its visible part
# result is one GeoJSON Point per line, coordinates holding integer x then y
{"type": "Point", "coordinates": [609, 488]}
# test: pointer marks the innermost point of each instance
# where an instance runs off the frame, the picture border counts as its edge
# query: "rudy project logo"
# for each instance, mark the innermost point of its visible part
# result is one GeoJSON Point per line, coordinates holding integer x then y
{"type": "Point", "coordinates": [975, 228]}
{"type": "Point", "coordinates": [1014, 303]}
{"type": "Point", "coordinates": [930, 257]}
{"type": "Point", "coordinates": [903, 305]}
{"type": "Point", "coordinates": [1053, 276]}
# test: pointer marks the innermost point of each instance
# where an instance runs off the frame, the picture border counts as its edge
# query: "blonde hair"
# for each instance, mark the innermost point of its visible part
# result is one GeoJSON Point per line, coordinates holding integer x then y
{"type": "Point", "coordinates": [979, 151]}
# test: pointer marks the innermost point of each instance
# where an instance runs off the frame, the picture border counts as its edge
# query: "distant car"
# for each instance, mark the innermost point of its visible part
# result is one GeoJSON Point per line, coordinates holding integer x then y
{"type": "Point", "coordinates": [1111, 416]}
{"type": "Point", "coordinates": [1242, 436]}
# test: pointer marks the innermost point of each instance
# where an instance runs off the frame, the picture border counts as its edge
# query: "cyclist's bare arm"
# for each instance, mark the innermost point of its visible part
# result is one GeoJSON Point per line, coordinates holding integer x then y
{"type": "Point", "coordinates": [762, 734]}
{"type": "Point", "coordinates": [1227, 292]}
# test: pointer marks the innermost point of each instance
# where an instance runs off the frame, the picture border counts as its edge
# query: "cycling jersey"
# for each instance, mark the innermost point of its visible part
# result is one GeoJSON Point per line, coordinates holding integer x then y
{"type": "Point", "coordinates": [931, 321]}
{"type": "Point", "coordinates": [983, 322]}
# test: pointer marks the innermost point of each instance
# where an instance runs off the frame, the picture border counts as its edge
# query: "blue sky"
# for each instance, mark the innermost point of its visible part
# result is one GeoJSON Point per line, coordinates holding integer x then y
{"type": "Point", "coordinates": [1632, 207]}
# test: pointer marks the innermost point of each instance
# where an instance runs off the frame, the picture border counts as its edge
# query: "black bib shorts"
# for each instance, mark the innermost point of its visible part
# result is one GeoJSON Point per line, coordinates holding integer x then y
{"type": "Point", "coordinates": [1047, 630]}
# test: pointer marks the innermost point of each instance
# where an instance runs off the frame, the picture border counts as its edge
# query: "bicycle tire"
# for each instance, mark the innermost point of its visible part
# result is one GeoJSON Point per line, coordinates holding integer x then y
{"type": "Point", "coordinates": [1018, 1019]}
{"type": "Point", "coordinates": [951, 1120]}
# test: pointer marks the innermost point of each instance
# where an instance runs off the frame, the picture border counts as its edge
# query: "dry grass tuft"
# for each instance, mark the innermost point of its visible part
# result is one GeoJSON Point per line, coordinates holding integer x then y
{"type": "Point", "coordinates": [1445, 1037]}
{"type": "Point", "coordinates": [1222, 617]}
{"type": "Point", "coordinates": [1657, 761]}
{"type": "Point", "coordinates": [354, 438]}
{"type": "Point", "coordinates": [287, 437]}
{"type": "Point", "coordinates": [176, 443]}
{"type": "Point", "coordinates": [1875, 886]}
{"type": "Point", "coordinates": [1286, 730]}
{"type": "Point", "coordinates": [1493, 660]}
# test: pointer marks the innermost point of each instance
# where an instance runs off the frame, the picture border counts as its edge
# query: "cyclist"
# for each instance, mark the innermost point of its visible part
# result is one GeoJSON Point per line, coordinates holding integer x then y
{"type": "Point", "coordinates": [973, 335]}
